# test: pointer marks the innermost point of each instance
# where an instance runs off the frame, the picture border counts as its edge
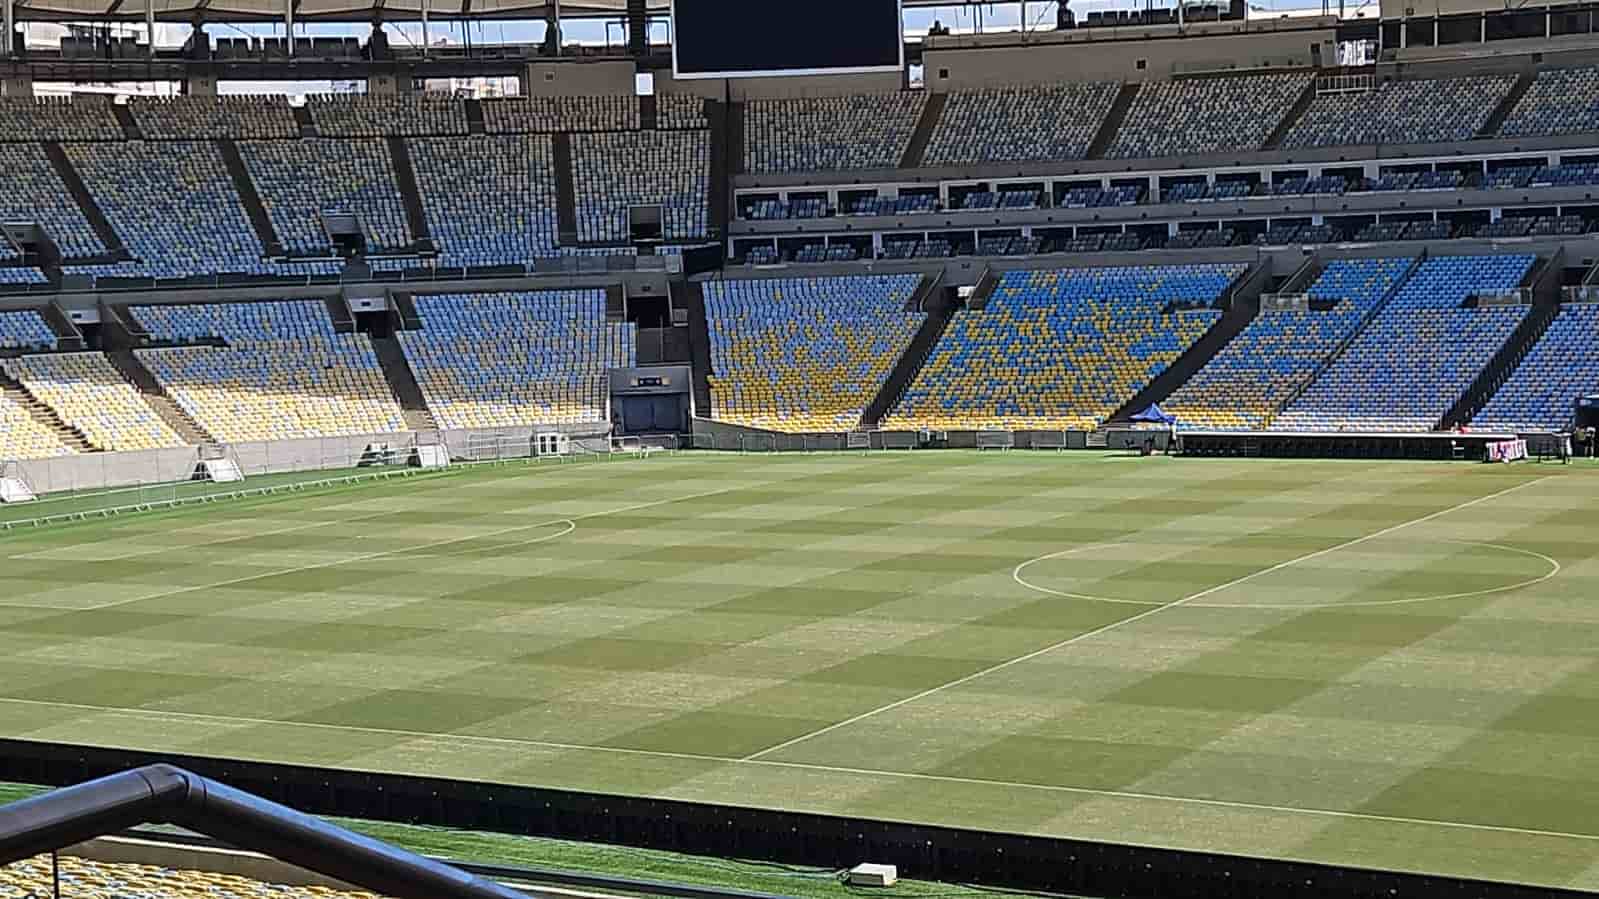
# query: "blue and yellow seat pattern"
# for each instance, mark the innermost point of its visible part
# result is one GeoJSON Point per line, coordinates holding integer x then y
{"type": "Point", "coordinates": [1418, 354]}
{"type": "Point", "coordinates": [1562, 366]}
{"type": "Point", "coordinates": [1244, 384]}
{"type": "Point", "coordinates": [802, 355]}
{"type": "Point", "coordinates": [283, 374]}
{"type": "Point", "coordinates": [1061, 349]}
{"type": "Point", "coordinates": [493, 360]}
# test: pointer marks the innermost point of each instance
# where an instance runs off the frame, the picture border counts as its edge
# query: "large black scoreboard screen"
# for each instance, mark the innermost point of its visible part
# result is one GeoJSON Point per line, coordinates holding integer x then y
{"type": "Point", "coordinates": [740, 39]}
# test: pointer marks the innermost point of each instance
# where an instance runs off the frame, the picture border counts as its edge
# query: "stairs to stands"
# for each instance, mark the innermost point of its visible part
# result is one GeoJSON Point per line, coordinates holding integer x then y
{"type": "Point", "coordinates": [649, 112]}
{"type": "Point", "coordinates": [402, 381]}
{"type": "Point", "coordinates": [1305, 277]}
{"type": "Point", "coordinates": [1113, 121]}
{"type": "Point", "coordinates": [44, 415]}
{"type": "Point", "coordinates": [735, 137]}
{"type": "Point", "coordinates": [339, 312]}
{"type": "Point", "coordinates": [1295, 112]}
{"type": "Point", "coordinates": [1545, 283]}
{"type": "Point", "coordinates": [940, 308]}
{"type": "Point", "coordinates": [722, 152]}
{"type": "Point", "coordinates": [690, 295]}
{"type": "Point", "coordinates": [80, 194]}
{"type": "Point", "coordinates": [986, 283]}
{"type": "Point", "coordinates": [130, 127]}
{"type": "Point", "coordinates": [68, 337]}
{"type": "Point", "coordinates": [302, 117]}
{"type": "Point", "coordinates": [565, 191]}
{"type": "Point", "coordinates": [1354, 335]}
{"type": "Point", "coordinates": [474, 117]}
{"type": "Point", "coordinates": [405, 178]}
{"type": "Point", "coordinates": [615, 303]}
{"type": "Point", "coordinates": [156, 397]}
{"type": "Point", "coordinates": [1496, 119]}
{"type": "Point", "coordinates": [932, 113]}
{"type": "Point", "coordinates": [1242, 308]}
{"type": "Point", "coordinates": [405, 314]}
{"type": "Point", "coordinates": [1501, 366]}
{"type": "Point", "coordinates": [254, 209]}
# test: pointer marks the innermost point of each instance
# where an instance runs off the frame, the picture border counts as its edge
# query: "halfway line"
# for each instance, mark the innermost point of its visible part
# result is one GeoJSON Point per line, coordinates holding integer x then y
{"type": "Point", "coordinates": [1128, 620]}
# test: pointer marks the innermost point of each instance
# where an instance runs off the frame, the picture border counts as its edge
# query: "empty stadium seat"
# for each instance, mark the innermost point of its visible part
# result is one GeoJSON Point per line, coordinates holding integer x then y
{"type": "Point", "coordinates": [1061, 349]}
{"type": "Point", "coordinates": [21, 435]}
{"type": "Point", "coordinates": [283, 374]}
{"type": "Point", "coordinates": [614, 171]}
{"type": "Point", "coordinates": [254, 116]}
{"type": "Point", "coordinates": [805, 355]}
{"type": "Point", "coordinates": [25, 330]}
{"type": "Point", "coordinates": [83, 879]}
{"type": "Point", "coordinates": [1244, 384]}
{"type": "Point", "coordinates": [31, 191]}
{"type": "Point", "coordinates": [531, 115]}
{"type": "Point", "coordinates": [1206, 115]}
{"type": "Point", "coordinates": [1446, 109]}
{"type": "Point", "coordinates": [75, 117]}
{"type": "Point", "coordinates": [1418, 354]}
{"type": "Point", "coordinates": [489, 199]}
{"type": "Point", "coordinates": [1020, 124]}
{"type": "Point", "coordinates": [173, 204]}
{"type": "Point", "coordinates": [89, 394]}
{"type": "Point", "coordinates": [1559, 101]}
{"type": "Point", "coordinates": [517, 359]}
{"type": "Point", "coordinates": [1562, 366]}
{"type": "Point", "coordinates": [301, 180]}
{"type": "Point", "coordinates": [862, 131]}
{"type": "Point", "coordinates": [375, 115]}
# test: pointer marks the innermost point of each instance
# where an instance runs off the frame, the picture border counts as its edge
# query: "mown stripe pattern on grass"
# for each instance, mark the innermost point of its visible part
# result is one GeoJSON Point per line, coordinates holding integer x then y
{"type": "Point", "coordinates": [667, 626]}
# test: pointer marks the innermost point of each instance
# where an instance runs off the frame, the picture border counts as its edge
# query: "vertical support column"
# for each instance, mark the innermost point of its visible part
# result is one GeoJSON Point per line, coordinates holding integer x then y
{"type": "Point", "coordinates": [424, 29]}
{"type": "Point", "coordinates": [10, 15]}
{"type": "Point", "coordinates": [288, 22]}
{"type": "Point", "coordinates": [149, 26]}
{"type": "Point", "coordinates": [556, 24]}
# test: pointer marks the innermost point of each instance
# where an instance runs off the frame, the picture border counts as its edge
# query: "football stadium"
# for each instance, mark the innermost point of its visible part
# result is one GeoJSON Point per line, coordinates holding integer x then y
{"type": "Point", "coordinates": [482, 449]}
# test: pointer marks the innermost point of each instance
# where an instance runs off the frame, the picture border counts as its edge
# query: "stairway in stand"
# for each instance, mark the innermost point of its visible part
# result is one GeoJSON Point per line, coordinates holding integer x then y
{"type": "Point", "coordinates": [46, 416]}
{"type": "Point", "coordinates": [156, 397]}
{"type": "Point", "coordinates": [402, 381]}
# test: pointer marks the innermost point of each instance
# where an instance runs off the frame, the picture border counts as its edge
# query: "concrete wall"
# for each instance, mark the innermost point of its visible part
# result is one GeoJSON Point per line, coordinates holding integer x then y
{"type": "Point", "coordinates": [148, 476]}
{"type": "Point", "coordinates": [232, 862]}
{"type": "Point", "coordinates": [1145, 60]}
{"type": "Point", "coordinates": [587, 78]}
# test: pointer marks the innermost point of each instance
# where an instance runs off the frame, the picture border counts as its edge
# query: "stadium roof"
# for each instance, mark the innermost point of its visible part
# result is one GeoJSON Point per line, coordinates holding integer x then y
{"type": "Point", "coordinates": [315, 10]}
{"type": "Point", "coordinates": [335, 10]}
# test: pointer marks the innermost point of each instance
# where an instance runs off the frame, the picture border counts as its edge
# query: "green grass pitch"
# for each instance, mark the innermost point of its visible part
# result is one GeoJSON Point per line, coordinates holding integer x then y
{"type": "Point", "coordinates": [1385, 664]}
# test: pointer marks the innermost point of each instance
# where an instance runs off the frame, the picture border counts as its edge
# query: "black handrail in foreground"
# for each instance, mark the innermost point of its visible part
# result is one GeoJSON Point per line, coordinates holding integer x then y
{"type": "Point", "coordinates": [170, 795]}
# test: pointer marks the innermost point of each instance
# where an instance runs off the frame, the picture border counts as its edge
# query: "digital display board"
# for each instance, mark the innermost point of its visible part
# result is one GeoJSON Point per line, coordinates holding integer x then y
{"type": "Point", "coordinates": [739, 39]}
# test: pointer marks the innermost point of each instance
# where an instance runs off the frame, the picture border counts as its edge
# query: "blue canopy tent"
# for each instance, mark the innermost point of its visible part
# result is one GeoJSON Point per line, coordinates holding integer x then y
{"type": "Point", "coordinates": [1154, 415]}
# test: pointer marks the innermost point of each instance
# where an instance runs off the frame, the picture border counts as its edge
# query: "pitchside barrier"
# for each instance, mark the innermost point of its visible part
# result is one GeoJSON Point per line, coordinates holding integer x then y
{"type": "Point", "coordinates": [1006, 861]}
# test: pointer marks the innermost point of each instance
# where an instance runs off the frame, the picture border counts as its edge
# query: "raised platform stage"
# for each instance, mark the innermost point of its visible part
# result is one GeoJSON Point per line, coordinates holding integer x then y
{"type": "Point", "coordinates": [1340, 445]}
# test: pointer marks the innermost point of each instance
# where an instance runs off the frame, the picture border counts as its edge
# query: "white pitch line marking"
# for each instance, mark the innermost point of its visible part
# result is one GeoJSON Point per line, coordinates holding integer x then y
{"type": "Point", "coordinates": [1554, 569]}
{"type": "Point", "coordinates": [1134, 795]}
{"type": "Point", "coordinates": [367, 557]}
{"type": "Point", "coordinates": [1131, 619]}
